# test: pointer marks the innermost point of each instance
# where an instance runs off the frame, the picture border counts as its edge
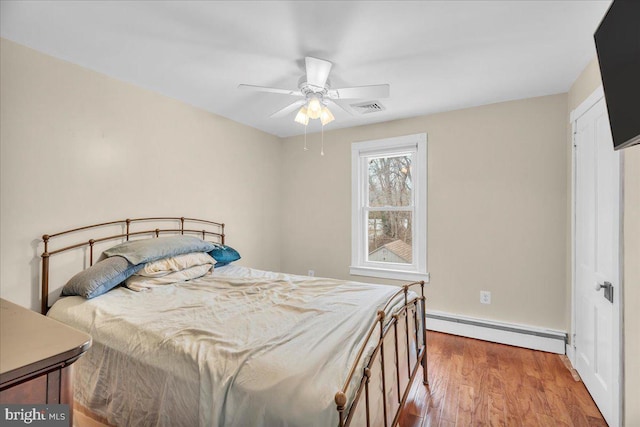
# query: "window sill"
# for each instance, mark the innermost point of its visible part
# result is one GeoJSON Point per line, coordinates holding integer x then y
{"type": "Point", "coordinates": [389, 274]}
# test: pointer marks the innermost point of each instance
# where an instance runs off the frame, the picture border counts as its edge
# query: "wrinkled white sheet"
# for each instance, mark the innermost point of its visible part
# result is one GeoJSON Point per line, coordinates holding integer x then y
{"type": "Point", "coordinates": [242, 347]}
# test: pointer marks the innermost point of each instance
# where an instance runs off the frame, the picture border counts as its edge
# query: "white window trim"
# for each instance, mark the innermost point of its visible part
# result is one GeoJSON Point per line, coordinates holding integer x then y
{"type": "Point", "coordinates": [359, 264]}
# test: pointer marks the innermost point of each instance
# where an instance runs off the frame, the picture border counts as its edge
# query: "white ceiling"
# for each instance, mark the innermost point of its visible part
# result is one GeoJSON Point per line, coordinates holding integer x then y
{"type": "Point", "coordinates": [436, 55]}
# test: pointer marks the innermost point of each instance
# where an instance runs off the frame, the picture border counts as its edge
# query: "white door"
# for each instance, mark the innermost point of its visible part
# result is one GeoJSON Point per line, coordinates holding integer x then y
{"type": "Point", "coordinates": [596, 249]}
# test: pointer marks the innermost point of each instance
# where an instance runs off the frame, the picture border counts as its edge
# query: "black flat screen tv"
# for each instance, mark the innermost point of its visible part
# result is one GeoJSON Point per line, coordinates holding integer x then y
{"type": "Point", "coordinates": [618, 47]}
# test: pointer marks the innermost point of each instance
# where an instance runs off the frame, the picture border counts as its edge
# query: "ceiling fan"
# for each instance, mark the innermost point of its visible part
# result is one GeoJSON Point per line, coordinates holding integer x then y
{"type": "Point", "coordinates": [317, 93]}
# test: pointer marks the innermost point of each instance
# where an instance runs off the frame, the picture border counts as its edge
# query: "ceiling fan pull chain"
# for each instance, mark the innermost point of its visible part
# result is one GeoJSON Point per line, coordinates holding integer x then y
{"type": "Point", "coordinates": [305, 138]}
{"type": "Point", "coordinates": [322, 143]}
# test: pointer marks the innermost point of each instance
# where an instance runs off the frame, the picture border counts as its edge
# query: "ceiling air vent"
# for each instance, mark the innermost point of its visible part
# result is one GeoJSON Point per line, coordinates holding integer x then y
{"type": "Point", "coordinates": [368, 107]}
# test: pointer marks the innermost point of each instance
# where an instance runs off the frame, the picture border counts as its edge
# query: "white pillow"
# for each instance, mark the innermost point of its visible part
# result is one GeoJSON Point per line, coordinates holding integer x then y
{"type": "Point", "coordinates": [169, 265]}
{"type": "Point", "coordinates": [142, 283]}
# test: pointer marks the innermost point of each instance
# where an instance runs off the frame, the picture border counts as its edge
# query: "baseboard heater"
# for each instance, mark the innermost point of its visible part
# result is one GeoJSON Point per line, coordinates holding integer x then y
{"type": "Point", "coordinates": [532, 337]}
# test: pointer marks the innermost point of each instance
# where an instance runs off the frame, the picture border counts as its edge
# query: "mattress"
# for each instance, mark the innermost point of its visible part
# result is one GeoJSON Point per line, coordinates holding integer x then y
{"type": "Point", "coordinates": [241, 347]}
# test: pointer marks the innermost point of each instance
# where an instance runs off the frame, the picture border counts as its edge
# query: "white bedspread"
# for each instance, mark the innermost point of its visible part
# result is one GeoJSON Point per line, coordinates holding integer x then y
{"type": "Point", "coordinates": [242, 347]}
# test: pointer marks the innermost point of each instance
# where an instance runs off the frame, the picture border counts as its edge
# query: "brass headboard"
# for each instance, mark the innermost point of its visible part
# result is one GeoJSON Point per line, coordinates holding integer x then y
{"type": "Point", "coordinates": [128, 226]}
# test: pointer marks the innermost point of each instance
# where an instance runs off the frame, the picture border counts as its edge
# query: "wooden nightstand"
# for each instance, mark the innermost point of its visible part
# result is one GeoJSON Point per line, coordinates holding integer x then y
{"type": "Point", "coordinates": [35, 357]}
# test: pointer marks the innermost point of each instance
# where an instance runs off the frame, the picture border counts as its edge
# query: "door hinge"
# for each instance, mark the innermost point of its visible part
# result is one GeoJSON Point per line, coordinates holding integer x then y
{"type": "Point", "coordinates": [573, 341]}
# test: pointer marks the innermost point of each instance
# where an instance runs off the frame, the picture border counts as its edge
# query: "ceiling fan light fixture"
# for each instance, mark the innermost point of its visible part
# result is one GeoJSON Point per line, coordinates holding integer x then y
{"type": "Point", "coordinates": [325, 116]}
{"type": "Point", "coordinates": [314, 108]}
{"type": "Point", "coordinates": [302, 117]}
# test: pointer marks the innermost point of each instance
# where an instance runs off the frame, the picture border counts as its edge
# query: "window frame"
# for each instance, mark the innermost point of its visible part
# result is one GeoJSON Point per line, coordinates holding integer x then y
{"type": "Point", "coordinates": [360, 153]}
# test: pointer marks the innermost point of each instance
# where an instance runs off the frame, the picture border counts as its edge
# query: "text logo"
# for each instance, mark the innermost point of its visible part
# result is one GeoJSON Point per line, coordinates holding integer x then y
{"type": "Point", "coordinates": [35, 415]}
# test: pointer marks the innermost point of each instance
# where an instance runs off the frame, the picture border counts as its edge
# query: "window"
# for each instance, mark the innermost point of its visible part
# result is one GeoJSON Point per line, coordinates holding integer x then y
{"type": "Point", "coordinates": [389, 208]}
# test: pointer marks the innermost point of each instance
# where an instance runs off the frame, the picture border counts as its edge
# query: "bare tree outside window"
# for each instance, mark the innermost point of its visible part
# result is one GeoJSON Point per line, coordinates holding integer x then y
{"type": "Point", "coordinates": [390, 209]}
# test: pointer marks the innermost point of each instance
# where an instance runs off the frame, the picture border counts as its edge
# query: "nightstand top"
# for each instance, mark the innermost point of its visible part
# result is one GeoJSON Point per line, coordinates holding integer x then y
{"type": "Point", "coordinates": [32, 343]}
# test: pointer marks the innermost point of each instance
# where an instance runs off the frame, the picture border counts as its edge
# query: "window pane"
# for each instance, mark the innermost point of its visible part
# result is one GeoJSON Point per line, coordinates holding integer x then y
{"type": "Point", "coordinates": [390, 181]}
{"type": "Point", "coordinates": [389, 236]}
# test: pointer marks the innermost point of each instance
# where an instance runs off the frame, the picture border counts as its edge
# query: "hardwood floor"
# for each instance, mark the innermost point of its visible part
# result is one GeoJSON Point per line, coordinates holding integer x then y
{"type": "Point", "coordinates": [477, 383]}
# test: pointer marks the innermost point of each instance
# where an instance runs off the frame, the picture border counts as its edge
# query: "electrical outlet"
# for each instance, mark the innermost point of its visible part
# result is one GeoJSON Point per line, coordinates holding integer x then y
{"type": "Point", "coordinates": [311, 273]}
{"type": "Point", "coordinates": [485, 297]}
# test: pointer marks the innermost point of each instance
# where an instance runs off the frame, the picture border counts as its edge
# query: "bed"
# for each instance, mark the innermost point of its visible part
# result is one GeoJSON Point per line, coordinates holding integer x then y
{"type": "Point", "coordinates": [236, 346]}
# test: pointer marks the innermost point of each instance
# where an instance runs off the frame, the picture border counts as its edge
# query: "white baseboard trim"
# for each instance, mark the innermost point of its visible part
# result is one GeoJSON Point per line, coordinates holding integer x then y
{"type": "Point", "coordinates": [526, 336]}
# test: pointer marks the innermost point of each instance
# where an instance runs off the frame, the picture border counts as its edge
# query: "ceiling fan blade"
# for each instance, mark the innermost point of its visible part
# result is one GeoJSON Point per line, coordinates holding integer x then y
{"type": "Point", "coordinates": [317, 71]}
{"type": "Point", "coordinates": [270, 90]}
{"type": "Point", "coordinates": [343, 105]}
{"type": "Point", "coordinates": [288, 109]}
{"type": "Point", "coordinates": [360, 92]}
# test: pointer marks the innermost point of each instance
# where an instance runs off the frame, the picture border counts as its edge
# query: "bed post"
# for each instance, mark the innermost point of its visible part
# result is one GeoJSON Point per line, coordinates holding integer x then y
{"type": "Point", "coordinates": [381, 315]}
{"type": "Point", "coordinates": [395, 333]}
{"type": "Point", "coordinates": [91, 243]}
{"type": "Point", "coordinates": [367, 374]}
{"type": "Point", "coordinates": [425, 378]}
{"type": "Point", "coordinates": [341, 401]}
{"type": "Point", "coordinates": [44, 296]}
{"type": "Point", "coordinates": [406, 324]}
{"type": "Point", "coordinates": [222, 234]}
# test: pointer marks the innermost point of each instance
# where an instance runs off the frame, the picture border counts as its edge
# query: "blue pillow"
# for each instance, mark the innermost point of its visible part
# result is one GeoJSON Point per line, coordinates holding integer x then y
{"type": "Point", "coordinates": [100, 277]}
{"type": "Point", "coordinates": [223, 254]}
{"type": "Point", "coordinates": [147, 250]}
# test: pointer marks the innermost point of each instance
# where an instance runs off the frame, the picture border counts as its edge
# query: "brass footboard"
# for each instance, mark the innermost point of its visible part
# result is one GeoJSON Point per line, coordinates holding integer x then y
{"type": "Point", "coordinates": [392, 394]}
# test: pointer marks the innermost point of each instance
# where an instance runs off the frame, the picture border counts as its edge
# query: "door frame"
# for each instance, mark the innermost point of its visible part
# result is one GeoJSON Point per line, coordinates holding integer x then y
{"type": "Point", "coordinates": [618, 315]}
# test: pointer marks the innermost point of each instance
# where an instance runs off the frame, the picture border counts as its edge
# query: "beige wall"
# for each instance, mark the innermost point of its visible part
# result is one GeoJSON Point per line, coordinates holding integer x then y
{"type": "Point", "coordinates": [587, 82]}
{"type": "Point", "coordinates": [632, 284]}
{"type": "Point", "coordinates": [496, 216]}
{"type": "Point", "coordinates": [79, 147]}
{"type": "Point", "coordinates": [584, 85]}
